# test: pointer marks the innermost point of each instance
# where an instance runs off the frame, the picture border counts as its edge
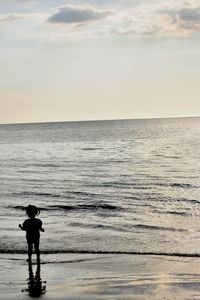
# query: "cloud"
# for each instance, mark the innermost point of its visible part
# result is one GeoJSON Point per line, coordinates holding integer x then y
{"type": "Point", "coordinates": [185, 19]}
{"type": "Point", "coordinates": [136, 18]}
{"type": "Point", "coordinates": [10, 18]}
{"type": "Point", "coordinates": [79, 15]}
{"type": "Point", "coordinates": [177, 18]}
{"type": "Point", "coordinates": [190, 14]}
{"type": "Point", "coordinates": [153, 18]}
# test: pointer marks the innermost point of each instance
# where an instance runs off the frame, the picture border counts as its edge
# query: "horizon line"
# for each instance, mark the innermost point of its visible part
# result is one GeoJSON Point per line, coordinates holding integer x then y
{"type": "Point", "coordinates": [100, 120]}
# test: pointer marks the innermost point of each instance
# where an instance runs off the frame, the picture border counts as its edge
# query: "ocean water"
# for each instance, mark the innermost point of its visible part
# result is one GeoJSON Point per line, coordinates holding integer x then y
{"type": "Point", "coordinates": [103, 186]}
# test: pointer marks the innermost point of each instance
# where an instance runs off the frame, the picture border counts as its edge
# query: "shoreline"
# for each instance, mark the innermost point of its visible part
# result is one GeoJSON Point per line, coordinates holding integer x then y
{"type": "Point", "coordinates": [102, 252]}
{"type": "Point", "coordinates": [93, 276]}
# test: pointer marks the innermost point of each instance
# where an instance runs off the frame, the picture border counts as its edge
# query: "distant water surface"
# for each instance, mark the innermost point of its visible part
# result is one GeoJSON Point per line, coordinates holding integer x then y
{"type": "Point", "coordinates": [129, 185]}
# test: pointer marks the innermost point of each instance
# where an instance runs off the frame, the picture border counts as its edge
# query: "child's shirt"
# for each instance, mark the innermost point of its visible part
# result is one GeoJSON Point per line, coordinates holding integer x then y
{"type": "Point", "coordinates": [32, 227]}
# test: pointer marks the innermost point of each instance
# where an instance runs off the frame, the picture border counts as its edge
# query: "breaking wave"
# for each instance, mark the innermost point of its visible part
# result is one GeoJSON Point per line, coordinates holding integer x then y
{"type": "Point", "coordinates": [102, 252]}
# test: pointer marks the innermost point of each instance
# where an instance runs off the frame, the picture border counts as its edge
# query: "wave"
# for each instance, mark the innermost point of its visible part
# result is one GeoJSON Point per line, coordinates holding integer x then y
{"type": "Point", "coordinates": [85, 207]}
{"type": "Point", "coordinates": [82, 193]}
{"type": "Point", "coordinates": [179, 185]}
{"type": "Point", "coordinates": [168, 156]}
{"type": "Point", "coordinates": [151, 227]}
{"type": "Point", "coordinates": [116, 184]}
{"type": "Point", "coordinates": [102, 252]}
{"type": "Point", "coordinates": [91, 207]}
{"type": "Point", "coordinates": [169, 212]}
{"type": "Point", "coordinates": [91, 148]}
{"type": "Point", "coordinates": [147, 185]}
{"type": "Point", "coordinates": [53, 195]}
{"type": "Point", "coordinates": [40, 194]}
{"type": "Point", "coordinates": [44, 165]}
{"type": "Point", "coordinates": [101, 226]}
{"type": "Point", "coordinates": [177, 213]}
{"type": "Point", "coordinates": [193, 201]}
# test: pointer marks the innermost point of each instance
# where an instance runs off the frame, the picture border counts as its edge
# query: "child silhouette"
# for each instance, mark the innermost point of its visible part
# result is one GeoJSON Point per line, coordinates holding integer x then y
{"type": "Point", "coordinates": [32, 226]}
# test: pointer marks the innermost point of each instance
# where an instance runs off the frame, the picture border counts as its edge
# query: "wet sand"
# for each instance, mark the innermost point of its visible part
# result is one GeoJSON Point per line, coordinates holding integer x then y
{"type": "Point", "coordinates": [106, 277]}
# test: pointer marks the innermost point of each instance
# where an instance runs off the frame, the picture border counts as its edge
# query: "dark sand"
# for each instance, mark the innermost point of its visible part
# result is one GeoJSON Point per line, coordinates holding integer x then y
{"type": "Point", "coordinates": [106, 277]}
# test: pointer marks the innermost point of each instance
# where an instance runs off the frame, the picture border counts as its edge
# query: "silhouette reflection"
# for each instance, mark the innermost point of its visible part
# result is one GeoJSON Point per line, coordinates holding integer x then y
{"type": "Point", "coordinates": [36, 287]}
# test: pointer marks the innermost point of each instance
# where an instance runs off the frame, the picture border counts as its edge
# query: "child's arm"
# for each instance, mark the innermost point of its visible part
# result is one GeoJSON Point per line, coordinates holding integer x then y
{"type": "Point", "coordinates": [41, 228]}
{"type": "Point", "coordinates": [21, 227]}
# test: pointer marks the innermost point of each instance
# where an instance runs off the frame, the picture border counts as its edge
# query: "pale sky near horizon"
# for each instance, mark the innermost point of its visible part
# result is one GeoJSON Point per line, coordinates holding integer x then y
{"type": "Point", "coordinates": [98, 59]}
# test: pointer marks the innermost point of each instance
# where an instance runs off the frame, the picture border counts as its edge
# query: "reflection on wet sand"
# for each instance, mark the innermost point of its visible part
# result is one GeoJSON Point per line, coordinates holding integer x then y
{"type": "Point", "coordinates": [36, 287]}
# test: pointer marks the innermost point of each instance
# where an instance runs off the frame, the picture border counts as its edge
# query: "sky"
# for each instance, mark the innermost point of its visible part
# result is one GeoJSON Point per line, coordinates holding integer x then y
{"type": "Point", "coordinates": [66, 60]}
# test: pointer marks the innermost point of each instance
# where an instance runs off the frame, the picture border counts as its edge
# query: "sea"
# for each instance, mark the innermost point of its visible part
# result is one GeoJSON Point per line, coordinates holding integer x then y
{"type": "Point", "coordinates": [122, 186]}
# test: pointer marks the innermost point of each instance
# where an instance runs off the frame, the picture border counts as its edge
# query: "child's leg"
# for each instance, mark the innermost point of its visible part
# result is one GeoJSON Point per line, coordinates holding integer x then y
{"type": "Point", "coordinates": [37, 250]}
{"type": "Point", "coordinates": [30, 249]}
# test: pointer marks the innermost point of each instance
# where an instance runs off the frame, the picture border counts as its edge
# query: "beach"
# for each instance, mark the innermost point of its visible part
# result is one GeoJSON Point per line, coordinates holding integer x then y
{"type": "Point", "coordinates": [105, 277]}
{"type": "Point", "coordinates": [119, 202]}
{"type": "Point", "coordinates": [100, 150]}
